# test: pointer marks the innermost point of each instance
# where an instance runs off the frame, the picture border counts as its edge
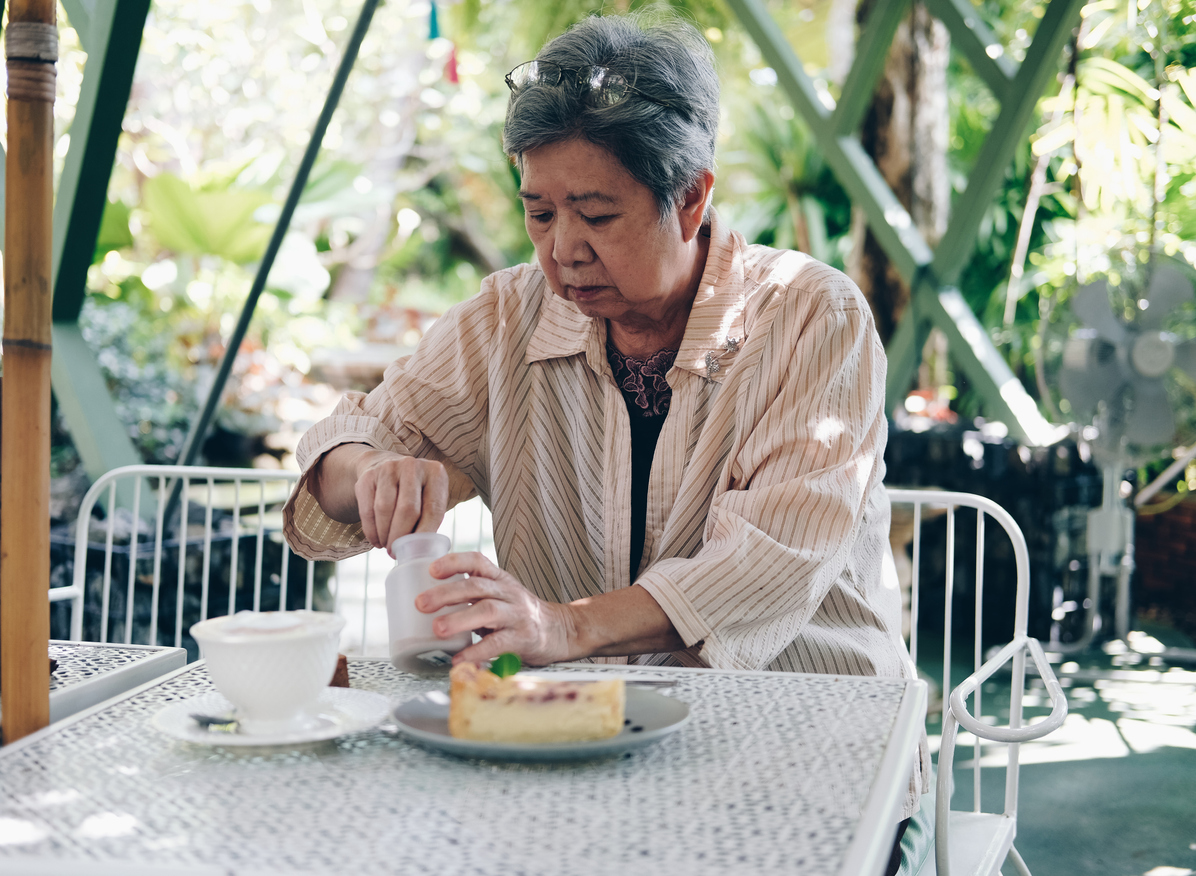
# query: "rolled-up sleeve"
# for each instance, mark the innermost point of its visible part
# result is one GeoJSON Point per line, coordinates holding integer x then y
{"type": "Point", "coordinates": [782, 531]}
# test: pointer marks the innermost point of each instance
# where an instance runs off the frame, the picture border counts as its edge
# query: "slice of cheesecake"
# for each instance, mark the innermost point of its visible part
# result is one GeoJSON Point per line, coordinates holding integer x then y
{"type": "Point", "coordinates": [527, 708]}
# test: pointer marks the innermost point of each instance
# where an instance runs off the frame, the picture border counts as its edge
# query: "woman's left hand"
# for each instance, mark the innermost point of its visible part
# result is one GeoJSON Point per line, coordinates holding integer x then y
{"type": "Point", "coordinates": [504, 612]}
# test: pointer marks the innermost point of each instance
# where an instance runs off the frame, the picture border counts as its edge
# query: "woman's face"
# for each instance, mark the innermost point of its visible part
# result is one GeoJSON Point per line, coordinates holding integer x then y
{"type": "Point", "coordinates": [599, 238]}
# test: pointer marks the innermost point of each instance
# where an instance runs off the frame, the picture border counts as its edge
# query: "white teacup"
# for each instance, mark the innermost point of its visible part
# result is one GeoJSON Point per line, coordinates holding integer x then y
{"type": "Point", "coordinates": [413, 645]}
{"type": "Point", "coordinates": [271, 665]}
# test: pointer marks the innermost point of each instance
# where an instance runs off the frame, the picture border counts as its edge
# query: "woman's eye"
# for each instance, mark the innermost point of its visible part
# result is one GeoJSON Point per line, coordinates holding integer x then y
{"type": "Point", "coordinates": [540, 218]}
{"type": "Point", "coordinates": [597, 220]}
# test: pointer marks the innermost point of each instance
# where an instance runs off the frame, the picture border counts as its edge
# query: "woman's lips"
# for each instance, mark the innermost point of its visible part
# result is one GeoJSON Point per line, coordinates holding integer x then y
{"type": "Point", "coordinates": [583, 293]}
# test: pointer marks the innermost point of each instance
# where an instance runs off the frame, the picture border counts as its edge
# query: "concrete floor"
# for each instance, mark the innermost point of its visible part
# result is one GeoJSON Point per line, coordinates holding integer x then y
{"type": "Point", "coordinates": [1113, 791]}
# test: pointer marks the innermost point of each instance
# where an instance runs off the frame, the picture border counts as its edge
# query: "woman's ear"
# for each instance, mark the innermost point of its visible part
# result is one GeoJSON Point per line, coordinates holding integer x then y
{"type": "Point", "coordinates": [693, 206]}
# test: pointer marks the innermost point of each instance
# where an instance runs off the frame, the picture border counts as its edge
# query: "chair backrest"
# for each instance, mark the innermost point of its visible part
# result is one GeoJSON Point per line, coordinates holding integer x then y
{"type": "Point", "coordinates": [954, 710]}
{"type": "Point", "coordinates": [139, 577]}
{"type": "Point", "coordinates": [947, 504]}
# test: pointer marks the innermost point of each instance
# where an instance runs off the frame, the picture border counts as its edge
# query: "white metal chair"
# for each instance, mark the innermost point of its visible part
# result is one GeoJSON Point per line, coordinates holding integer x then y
{"type": "Point", "coordinates": [221, 551]}
{"type": "Point", "coordinates": [975, 841]}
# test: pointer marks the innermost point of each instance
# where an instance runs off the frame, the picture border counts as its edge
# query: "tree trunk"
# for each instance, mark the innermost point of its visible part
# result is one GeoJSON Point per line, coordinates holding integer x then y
{"type": "Point", "coordinates": [905, 131]}
{"type": "Point", "coordinates": [352, 283]}
{"type": "Point", "coordinates": [356, 276]}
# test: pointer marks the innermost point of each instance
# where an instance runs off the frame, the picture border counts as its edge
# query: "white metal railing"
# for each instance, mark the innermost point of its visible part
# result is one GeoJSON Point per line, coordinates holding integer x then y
{"type": "Point", "coordinates": [954, 706]}
{"type": "Point", "coordinates": [241, 514]}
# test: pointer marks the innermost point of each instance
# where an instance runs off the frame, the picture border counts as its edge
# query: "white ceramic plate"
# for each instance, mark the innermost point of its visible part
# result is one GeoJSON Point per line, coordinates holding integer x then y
{"type": "Point", "coordinates": [650, 717]}
{"type": "Point", "coordinates": [339, 710]}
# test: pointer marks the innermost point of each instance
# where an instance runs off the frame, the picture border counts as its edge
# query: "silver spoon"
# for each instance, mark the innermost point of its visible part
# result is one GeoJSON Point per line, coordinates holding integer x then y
{"type": "Point", "coordinates": [215, 723]}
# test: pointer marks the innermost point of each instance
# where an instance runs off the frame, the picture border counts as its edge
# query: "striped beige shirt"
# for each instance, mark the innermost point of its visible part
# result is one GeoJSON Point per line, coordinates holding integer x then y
{"type": "Point", "coordinates": [767, 523]}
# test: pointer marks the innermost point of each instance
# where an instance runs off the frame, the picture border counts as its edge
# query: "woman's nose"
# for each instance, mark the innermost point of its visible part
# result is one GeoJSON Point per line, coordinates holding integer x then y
{"type": "Point", "coordinates": [569, 246]}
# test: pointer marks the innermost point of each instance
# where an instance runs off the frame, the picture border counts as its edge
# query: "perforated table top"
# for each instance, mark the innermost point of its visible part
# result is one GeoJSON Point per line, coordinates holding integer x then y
{"type": "Point", "coordinates": [80, 662]}
{"type": "Point", "coordinates": [90, 672]}
{"type": "Point", "coordinates": [774, 773]}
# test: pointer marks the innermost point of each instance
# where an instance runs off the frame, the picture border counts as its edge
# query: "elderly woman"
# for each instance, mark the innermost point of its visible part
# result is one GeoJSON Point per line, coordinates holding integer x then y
{"type": "Point", "coordinates": [680, 436]}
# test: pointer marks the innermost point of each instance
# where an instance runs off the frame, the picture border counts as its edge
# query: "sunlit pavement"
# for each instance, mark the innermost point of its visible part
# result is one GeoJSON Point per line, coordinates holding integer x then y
{"type": "Point", "coordinates": [1112, 791]}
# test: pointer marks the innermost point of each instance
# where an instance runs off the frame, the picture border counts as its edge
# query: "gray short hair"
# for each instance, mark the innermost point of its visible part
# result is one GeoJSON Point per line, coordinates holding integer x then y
{"type": "Point", "coordinates": [665, 149]}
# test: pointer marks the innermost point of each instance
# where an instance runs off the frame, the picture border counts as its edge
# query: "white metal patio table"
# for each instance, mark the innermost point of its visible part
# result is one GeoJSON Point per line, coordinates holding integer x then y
{"type": "Point", "coordinates": [774, 773]}
{"type": "Point", "coordinates": [91, 672]}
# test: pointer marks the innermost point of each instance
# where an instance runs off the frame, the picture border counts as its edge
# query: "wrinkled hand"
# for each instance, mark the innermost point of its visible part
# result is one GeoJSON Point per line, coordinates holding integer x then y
{"type": "Point", "coordinates": [398, 495]}
{"type": "Point", "coordinates": [504, 612]}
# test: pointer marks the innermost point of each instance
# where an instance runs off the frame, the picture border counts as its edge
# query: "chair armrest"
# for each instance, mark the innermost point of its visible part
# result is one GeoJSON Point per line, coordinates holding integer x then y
{"type": "Point", "coordinates": [958, 716]}
{"type": "Point", "coordinates": [1009, 734]}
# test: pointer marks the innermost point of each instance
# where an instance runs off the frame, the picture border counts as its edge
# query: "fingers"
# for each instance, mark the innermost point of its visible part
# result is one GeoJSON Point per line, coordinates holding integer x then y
{"type": "Point", "coordinates": [500, 608]}
{"type": "Point", "coordinates": [386, 498]}
{"type": "Point", "coordinates": [434, 498]}
{"type": "Point", "coordinates": [472, 589]}
{"type": "Point", "coordinates": [490, 604]}
{"type": "Point", "coordinates": [486, 614]}
{"type": "Point", "coordinates": [465, 563]}
{"type": "Point", "coordinates": [397, 495]}
{"type": "Point", "coordinates": [498, 642]}
{"type": "Point", "coordinates": [406, 503]}
{"type": "Point", "coordinates": [364, 491]}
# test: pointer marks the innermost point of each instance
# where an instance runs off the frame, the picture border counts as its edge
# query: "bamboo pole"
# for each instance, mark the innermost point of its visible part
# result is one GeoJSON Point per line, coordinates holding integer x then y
{"type": "Point", "coordinates": [31, 49]}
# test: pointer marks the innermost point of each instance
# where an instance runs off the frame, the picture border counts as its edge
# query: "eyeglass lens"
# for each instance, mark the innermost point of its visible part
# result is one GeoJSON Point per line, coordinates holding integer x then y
{"type": "Point", "coordinates": [602, 86]}
{"type": "Point", "coordinates": [544, 73]}
{"type": "Point", "coordinates": [606, 87]}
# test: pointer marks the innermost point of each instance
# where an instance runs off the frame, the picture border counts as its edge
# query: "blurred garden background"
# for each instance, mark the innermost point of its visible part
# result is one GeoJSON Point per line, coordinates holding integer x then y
{"type": "Point", "coordinates": [412, 202]}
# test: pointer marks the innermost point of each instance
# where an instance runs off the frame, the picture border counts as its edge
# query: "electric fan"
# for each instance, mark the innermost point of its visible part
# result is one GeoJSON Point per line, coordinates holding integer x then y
{"type": "Point", "coordinates": [1128, 375]}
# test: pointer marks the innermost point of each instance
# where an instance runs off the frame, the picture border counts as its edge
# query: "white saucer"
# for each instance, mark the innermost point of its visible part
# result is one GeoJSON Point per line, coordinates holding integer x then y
{"type": "Point", "coordinates": [339, 710]}
{"type": "Point", "coordinates": [650, 717]}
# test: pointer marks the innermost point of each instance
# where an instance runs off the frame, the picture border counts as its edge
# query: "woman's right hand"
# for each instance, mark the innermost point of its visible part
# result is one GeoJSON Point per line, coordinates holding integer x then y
{"type": "Point", "coordinates": [390, 494]}
{"type": "Point", "coordinates": [398, 495]}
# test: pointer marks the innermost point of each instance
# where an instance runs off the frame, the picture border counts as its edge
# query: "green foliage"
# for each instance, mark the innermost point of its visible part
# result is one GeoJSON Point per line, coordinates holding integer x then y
{"type": "Point", "coordinates": [412, 180]}
{"type": "Point", "coordinates": [134, 348]}
{"type": "Point", "coordinates": [1109, 189]}
{"type": "Point", "coordinates": [798, 203]}
{"type": "Point", "coordinates": [217, 222]}
{"type": "Point", "coordinates": [114, 230]}
{"type": "Point", "coordinates": [526, 26]}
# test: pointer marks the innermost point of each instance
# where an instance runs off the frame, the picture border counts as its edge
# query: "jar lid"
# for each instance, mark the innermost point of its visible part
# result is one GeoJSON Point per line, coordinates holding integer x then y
{"type": "Point", "coordinates": [420, 546]}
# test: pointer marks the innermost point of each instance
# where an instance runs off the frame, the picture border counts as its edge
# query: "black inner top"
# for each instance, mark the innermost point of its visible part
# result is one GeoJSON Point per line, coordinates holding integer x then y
{"type": "Point", "coordinates": [647, 395]}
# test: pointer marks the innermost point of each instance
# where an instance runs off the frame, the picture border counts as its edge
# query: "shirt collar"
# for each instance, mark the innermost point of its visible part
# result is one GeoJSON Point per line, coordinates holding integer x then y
{"type": "Point", "coordinates": [713, 334]}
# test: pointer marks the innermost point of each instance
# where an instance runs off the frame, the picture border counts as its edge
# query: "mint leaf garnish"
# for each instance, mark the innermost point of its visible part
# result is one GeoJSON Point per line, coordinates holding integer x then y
{"type": "Point", "coordinates": [506, 664]}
